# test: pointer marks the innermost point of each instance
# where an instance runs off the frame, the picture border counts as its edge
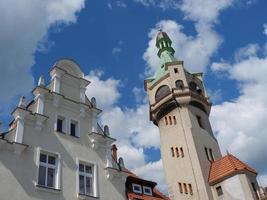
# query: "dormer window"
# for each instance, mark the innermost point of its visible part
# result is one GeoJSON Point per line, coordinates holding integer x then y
{"type": "Point", "coordinates": [147, 190]}
{"type": "Point", "coordinates": [137, 188]}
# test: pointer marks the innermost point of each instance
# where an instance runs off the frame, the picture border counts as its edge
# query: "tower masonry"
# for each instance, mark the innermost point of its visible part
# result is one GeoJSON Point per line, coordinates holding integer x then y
{"type": "Point", "coordinates": [180, 107]}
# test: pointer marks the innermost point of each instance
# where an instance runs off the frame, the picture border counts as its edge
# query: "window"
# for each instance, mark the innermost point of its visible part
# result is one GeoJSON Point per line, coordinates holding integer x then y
{"type": "Point", "coordinates": [74, 128]}
{"type": "Point", "coordinates": [199, 122]}
{"type": "Point", "coordinates": [166, 120]}
{"type": "Point", "coordinates": [162, 92]}
{"type": "Point", "coordinates": [175, 70]}
{"type": "Point", "coordinates": [147, 190]}
{"type": "Point", "coordinates": [182, 152]}
{"type": "Point", "coordinates": [185, 188]}
{"type": "Point", "coordinates": [190, 189]}
{"type": "Point", "coordinates": [170, 119]}
{"type": "Point", "coordinates": [86, 179]}
{"type": "Point", "coordinates": [211, 154]}
{"type": "Point", "coordinates": [207, 153]}
{"type": "Point", "coordinates": [174, 120]}
{"type": "Point", "coordinates": [180, 187]}
{"type": "Point", "coordinates": [219, 190]}
{"type": "Point", "coordinates": [137, 188]}
{"type": "Point", "coordinates": [179, 84]}
{"type": "Point", "coordinates": [47, 173]}
{"type": "Point", "coordinates": [172, 150]}
{"type": "Point", "coordinates": [177, 152]}
{"type": "Point", "coordinates": [60, 126]}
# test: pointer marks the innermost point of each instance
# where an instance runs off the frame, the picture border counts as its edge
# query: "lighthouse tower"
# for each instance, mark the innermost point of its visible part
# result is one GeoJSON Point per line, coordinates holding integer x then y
{"type": "Point", "coordinates": [180, 107]}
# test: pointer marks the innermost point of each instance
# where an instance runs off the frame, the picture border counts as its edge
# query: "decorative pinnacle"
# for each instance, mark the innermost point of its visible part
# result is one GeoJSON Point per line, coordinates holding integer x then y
{"type": "Point", "coordinates": [22, 102]}
{"type": "Point", "coordinates": [41, 81]}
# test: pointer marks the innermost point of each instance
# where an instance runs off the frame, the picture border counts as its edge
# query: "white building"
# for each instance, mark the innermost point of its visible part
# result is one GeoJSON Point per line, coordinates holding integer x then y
{"type": "Point", "coordinates": [55, 149]}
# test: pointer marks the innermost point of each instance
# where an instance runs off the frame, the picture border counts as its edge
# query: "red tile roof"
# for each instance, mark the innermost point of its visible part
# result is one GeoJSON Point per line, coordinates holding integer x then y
{"type": "Point", "coordinates": [227, 166]}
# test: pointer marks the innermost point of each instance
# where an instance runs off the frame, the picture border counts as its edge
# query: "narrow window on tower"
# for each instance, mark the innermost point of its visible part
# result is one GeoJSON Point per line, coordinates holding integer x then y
{"type": "Point", "coordinates": [180, 187]}
{"type": "Point", "coordinates": [175, 70]}
{"type": "Point", "coordinates": [174, 120]}
{"type": "Point", "coordinates": [170, 119]}
{"type": "Point", "coordinates": [166, 120]}
{"type": "Point", "coordinates": [207, 153]}
{"type": "Point", "coordinates": [199, 120]}
{"type": "Point", "coordinates": [190, 189]}
{"type": "Point", "coordinates": [182, 152]}
{"type": "Point", "coordinates": [177, 152]}
{"type": "Point", "coordinates": [185, 188]}
{"type": "Point", "coordinates": [172, 150]}
{"type": "Point", "coordinates": [211, 155]}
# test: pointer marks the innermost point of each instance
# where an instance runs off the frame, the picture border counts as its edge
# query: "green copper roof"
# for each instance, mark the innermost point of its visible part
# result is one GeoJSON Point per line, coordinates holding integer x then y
{"type": "Point", "coordinates": [165, 53]}
{"type": "Point", "coordinates": [161, 71]}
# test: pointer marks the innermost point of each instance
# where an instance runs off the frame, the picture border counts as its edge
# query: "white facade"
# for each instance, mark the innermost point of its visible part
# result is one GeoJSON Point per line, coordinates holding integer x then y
{"type": "Point", "coordinates": [51, 137]}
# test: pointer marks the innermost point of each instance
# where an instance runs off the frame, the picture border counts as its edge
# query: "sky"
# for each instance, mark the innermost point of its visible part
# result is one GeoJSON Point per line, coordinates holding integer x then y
{"type": "Point", "coordinates": [114, 43]}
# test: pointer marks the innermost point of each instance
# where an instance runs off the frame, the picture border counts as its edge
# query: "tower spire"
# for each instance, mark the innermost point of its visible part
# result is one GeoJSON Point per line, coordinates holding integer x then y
{"type": "Point", "coordinates": [165, 50]}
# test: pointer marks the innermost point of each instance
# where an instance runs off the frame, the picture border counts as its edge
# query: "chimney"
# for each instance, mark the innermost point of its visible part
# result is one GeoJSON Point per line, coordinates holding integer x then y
{"type": "Point", "coordinates": [114, 152]}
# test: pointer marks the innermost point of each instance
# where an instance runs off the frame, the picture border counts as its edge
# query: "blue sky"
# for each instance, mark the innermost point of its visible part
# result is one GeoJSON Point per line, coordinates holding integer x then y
{"type": "Point", "coordinates": [113, 41]}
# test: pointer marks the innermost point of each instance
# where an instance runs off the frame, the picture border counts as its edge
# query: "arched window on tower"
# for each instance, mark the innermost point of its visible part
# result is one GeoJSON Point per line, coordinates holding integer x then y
{"type": "Point", "coordinates": [190, 189]}
{"type": "Point", "coordinates": [170, 119]}
{"type": "Point", "coordinates": [177, 152]}
{"type": "Point", "coordinates": [172, 150]}
{"type": "Point", "coordinates": [162, 92]}
{"type": "Point", "coordinates": [179, 84]}
{"type": "Point", "coordinates": [166, 120]}
{"type": "Point", "coordinates": [185, 188]}
{"type": "Point", "coordinates": [195, 88]}
{"type": "Point", "coordinates": [174, 120]}
{"type": "Point", "coordinates": [182, 152]}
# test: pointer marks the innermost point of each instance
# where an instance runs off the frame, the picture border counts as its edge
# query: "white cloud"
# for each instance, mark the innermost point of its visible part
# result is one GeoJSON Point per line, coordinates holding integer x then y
{"type": "Point", "coordinates": [194, 50]}
{"type": "Point", "coordinates": [204, 11]}
{"type": "Point", "coordinates": [26, 23]}
{"type": "Point", "coordinates": [248, 51]}
{"type": "Point", "coordinates": [265, 29]}
{"type": "Point", "coordinates": [105, 91]}
{"type": "Point", "coordinates": [116, 51]}
{"type": "Point", "coordinates": [220, 66]}
{"type": "Point", "coordinates": [163, 4]}
{"type": "Point", "coordinates": [133, 157]}
{"type": "Point", "coordinates": [153, 171]}
{"type": "Point", "coordinates": [240, 124]}
{"type": "Point", "coordinates": [139, 95]}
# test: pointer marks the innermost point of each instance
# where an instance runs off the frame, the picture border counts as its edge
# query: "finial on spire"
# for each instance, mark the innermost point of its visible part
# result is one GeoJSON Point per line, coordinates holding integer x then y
{"type": "Point", "coordinates": [41, 81]}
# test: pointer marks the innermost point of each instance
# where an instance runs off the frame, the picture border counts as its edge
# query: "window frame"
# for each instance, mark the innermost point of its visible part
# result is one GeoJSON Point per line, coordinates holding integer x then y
{"type": "Point", "coordinates": [95, 191]}
{"type": "Point", "coordinates": [147, 193]}
{"type": "Point", "coordinates": [57, 178]}
{"type": "Point", "coordinates": [64, 123]}
{"type": "Point", "coordinates": [77, 129]}
{"type": "Point", "coordinates": [136, 191]}
{"type": "Point", "coordinates": [219, 190]}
